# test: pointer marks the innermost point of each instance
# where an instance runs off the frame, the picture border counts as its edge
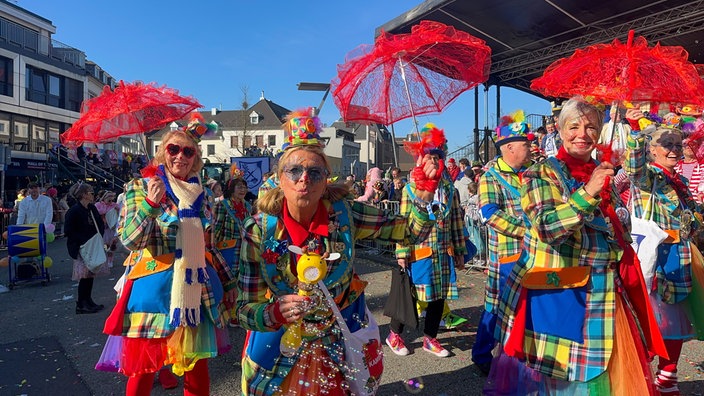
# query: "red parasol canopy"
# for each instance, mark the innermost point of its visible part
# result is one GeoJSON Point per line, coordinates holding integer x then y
{"type": "Point", "coordinates": [624, 72]}
{"type": "Point", "coordinates": [129, 109]}
{"type": "Point", "coordinates": [404, 75]}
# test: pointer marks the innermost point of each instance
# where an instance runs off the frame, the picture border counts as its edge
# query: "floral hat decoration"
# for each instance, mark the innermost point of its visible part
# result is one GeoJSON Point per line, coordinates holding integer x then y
{"type": "Point", "coordinates": [235, 172]}
{"type": "Point", "coordinates": [197, 127]}
{"type": "Point", "coordinates": [513, 128]}
{"type": "Point", "coordinates": [303, 128]}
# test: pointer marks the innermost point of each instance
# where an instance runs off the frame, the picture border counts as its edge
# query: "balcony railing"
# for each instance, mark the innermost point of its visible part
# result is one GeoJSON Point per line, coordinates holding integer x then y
{"type": "Point", "coordinates": [18, 35]}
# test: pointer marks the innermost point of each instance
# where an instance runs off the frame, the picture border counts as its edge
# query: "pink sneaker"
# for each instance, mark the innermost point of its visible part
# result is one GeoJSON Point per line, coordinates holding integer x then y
{"type": "Point", "coordinates": [431, 345]}
{"type": "Point", "coordinates": [395, 342]}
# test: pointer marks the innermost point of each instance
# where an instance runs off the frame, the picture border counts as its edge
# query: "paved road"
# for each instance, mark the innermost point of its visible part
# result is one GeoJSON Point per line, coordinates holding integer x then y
{"type": "Point", "coordinates": [47, 349]}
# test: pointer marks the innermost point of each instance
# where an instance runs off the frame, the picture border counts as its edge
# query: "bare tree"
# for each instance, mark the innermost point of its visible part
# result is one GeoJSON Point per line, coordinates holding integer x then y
{"type": "Point", "coordinates": [245, 105]}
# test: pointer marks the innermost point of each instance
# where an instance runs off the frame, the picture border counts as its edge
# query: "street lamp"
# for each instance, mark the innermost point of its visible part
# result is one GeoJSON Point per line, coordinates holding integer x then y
{"type": "Point", "coordinates": [321, 87]}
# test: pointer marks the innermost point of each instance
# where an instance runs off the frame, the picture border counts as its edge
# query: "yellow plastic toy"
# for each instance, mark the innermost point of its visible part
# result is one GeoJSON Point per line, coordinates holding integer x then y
{"type": "Point", "coordinates": [311, 268]}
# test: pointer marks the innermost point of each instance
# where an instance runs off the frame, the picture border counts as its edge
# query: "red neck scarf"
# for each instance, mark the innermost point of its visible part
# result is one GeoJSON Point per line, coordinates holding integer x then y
{"type": "Point", "coordinates": [298, 233]}
{"type": "Point", "coordinates": [239, 208]}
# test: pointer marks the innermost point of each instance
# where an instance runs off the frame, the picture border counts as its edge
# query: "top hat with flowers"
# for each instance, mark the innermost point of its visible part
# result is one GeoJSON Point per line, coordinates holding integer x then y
{"type": "Point", "coordinates": [197, 127]}
{"type": "Point", "coordinates": [303, 128]}
{"type": "Point", "coordinates": [513, 128]}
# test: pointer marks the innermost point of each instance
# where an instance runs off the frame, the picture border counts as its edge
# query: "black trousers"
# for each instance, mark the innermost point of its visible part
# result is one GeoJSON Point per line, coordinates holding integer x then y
{"type": "Point", "coordinates": [433, 316]}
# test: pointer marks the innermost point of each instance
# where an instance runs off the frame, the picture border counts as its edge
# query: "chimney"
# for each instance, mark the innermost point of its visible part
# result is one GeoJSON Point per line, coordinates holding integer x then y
{"type": "Point", "coordinates": [214, 111]}
{"type": "Point", "coordinates": [262, 97]}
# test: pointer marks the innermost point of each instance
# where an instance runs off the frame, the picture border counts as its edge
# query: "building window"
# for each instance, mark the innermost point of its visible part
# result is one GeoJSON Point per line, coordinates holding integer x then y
{"type": "Point", "coordinates": [247, 141]}
{"type": "Point", "coordinates": [38, 142]}
{"type": "Point", "coordinates": [74, 94]}
{"type": "Point", "coordinates": [43, 87]}
{"type": "Point", "coordinates": [211, 149]}
{"type": "Point", "coordinates": [234, 142]}
{"type": "Point", "coordinates": [4, 128]}
{"type": "Point", "coordinates": [5, 76]}
{"type": "Point", "coordinates": [260, 140]}
{"type": "Point", "coordinates": [253, 118]}
{"type": "Point", "coordinates": [272, 141]}
{"type": "Point", "coordinates": [53, 90]}
{"type": "Point", "coordinates": [21, 130]}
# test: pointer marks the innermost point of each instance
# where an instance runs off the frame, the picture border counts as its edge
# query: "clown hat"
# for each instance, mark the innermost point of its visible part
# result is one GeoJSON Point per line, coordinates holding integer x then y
{"type": "Point", "coordinates": [303, 128]}
{"type": "Point", "coordinates": [432, 141]}
{"type": "Point", "coordinates": [235, 172]}
{"type": "Point", "coordinates": [197, 127]}
{"type": "Point", "coordinates": [513, 129]}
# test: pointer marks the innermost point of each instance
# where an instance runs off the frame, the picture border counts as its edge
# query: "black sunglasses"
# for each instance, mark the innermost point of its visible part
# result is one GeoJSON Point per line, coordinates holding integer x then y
{"type": "Point", "coordinates": [316, 174]}
{"type": "Point", "coordinates": [174, 149]}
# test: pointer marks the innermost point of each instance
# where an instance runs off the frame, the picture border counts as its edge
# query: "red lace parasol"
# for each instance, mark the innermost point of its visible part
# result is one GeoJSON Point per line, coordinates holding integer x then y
{"type": "Point", "coordinates": [405, 75]}
{"type": "Point", "coordinates": [624, 72]}
{"type": "Point", "coordinates": [129, 109]}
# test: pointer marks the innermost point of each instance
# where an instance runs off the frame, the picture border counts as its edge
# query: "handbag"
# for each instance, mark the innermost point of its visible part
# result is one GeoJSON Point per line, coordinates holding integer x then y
{"type": "Point", "coordinates": [93, 251]}
{"type": "Point", "coordinates": [363, 353]}
{"type": "Point", "coordinates": [401, 303]}
{"type": "Point", "coordinates": [647, 237]}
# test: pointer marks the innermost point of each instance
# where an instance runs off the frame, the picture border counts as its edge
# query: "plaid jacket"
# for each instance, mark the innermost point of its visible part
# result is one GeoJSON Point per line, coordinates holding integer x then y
{"type": "Point", "coordinates": [567, 229]}
{"type": "Point", "coordinates": [257, 278]}
{"type": "Point", "coordinates": [665, 210]}
{"type": "Point", "coordinates": [502, 213]}
{"type": "Point", "coordinates": [227, 227]}
{"type": "Point", "coordinates": [144, 228]}
{"type": "Point", "coordinates": [446, 237]}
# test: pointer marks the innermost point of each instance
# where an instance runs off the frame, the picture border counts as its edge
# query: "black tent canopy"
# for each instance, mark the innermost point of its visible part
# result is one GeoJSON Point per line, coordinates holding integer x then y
{"type": "Point", "coordinates": [528, 35]}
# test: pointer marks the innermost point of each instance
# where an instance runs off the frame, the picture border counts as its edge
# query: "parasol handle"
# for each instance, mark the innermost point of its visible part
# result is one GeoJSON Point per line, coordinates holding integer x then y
{"type": "Point", "coordinates": [408, 95]}
{"type": "Point", "coordinates": [629, 53]}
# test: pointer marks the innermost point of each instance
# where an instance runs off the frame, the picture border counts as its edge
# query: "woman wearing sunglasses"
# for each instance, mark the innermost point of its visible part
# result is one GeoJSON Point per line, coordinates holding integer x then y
{"type": "Point", "coordinates": [171, 294]}
{"type": "Point", "coordinates": [661, 194]}
{"type": "Point", "coordinates": [306, 214]}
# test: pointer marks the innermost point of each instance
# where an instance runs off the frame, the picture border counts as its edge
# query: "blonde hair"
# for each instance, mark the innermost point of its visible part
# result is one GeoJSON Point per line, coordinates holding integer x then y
{"type": "Point", "coordinates": [160, 156]}
{"type": "Point", "coordinates": [272, 201]}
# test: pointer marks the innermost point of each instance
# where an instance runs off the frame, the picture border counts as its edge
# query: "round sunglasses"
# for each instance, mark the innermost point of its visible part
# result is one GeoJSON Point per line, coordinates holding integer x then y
{"type": "Point", "coordinates": [316, 174]}
{"type": "Point", "coordinates": [174, 149]}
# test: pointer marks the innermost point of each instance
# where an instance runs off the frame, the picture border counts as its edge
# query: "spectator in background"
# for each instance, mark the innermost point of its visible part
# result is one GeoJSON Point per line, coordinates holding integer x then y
{"type": "Point", "coordinates": [51, 192]}
{"type": "Point", "coordinates": [64, 206]}
{"type": "Point", "coordinates": [693, 170]}
{"type": "Point", "coordinates": [453, 169]}
{"type": "Point", "coordinates": [464, 167]}
{"type": "Point", "coordinates": [397, 191]}
{"type": "Point", "coordinates": [35, 208]}
{"type": "Point", "coordinates": [551, 142]}
{"type": "Point", "coordinates": [107, 207]}
{"type": "Point", "coordinates": [463, 180]}
{"type": "Point", "coordinates": [380, 193]}
{"type": "Point", "coordinates": [478, 169]}
{"type": "Point", "coordinates": [81, 222]}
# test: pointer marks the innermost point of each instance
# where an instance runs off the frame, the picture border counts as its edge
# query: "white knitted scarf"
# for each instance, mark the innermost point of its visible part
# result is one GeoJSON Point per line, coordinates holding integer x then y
{"type": "Point", "coordinates": [189, 264]}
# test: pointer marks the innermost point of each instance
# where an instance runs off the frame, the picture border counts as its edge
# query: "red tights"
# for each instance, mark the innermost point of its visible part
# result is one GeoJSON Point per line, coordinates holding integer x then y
{"type": "Point", "coordinates": [674, 348]}
{"type": "Point", "coordinates": [195, 382]}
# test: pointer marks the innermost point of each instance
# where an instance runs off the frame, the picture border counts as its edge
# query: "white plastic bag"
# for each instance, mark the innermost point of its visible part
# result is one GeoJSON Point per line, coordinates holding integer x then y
{"type": "Point", "coordinates": [363, 352]}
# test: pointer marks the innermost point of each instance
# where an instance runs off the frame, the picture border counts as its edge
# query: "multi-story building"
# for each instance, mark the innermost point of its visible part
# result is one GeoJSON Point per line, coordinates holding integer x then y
{"type": "Point", "coordinates": [42, 85]}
